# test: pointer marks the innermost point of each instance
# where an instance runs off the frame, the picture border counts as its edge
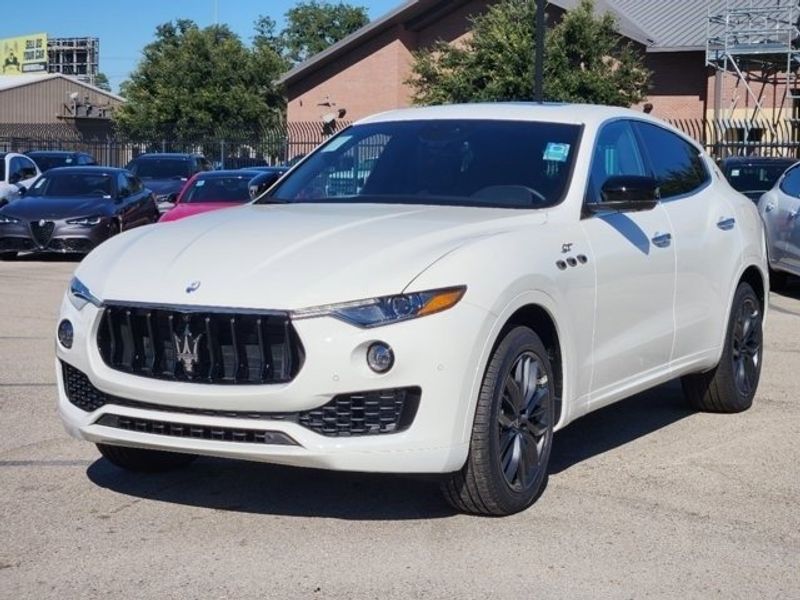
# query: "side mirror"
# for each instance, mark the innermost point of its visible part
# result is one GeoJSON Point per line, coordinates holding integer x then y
{"type": "Point", "coordinates": [626, 193]}
{"type": "Point", "coordinates": [22, 189]}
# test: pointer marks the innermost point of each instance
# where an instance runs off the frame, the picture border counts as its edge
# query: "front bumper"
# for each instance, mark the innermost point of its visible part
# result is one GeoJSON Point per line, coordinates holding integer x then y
{"type": "Point", "coordinates": [63, 238]}
{"type": "Point", "coordinates": [438, 354]}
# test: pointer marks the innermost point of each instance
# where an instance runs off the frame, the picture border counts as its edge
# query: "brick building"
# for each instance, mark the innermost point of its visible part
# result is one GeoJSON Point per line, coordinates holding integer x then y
{"type": "Point", "coordinates": [365, 72]}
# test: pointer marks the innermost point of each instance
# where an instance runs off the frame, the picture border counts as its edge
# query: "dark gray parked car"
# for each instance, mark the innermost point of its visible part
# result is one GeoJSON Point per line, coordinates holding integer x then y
{"type": "Point", "coordinates": [73, 209]}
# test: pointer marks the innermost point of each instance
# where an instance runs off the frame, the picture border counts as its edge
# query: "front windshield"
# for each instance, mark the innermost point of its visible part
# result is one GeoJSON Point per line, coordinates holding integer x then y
{"type": "Point", "coordinates": [754, 178]}
{"type": "Point", "coordinates": [508, 164]}
{"type": "Point", "coordinates": [48, 162]}
{"type": "Point", "coordinates": [73, 185]}
{"type": "Point", "coordinates": [161, 168]}
{"type": "Point", "coordinates": [219, 189]}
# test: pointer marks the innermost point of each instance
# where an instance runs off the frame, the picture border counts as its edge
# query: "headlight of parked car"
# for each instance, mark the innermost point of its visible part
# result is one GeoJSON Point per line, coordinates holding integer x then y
{"type": "Point", "coordinates": [80, 296]}
{"type": "Point", "coordinates": [164, 198]}
{"type": "Point", "coordinates": [374, 312]}
{"type": "Point", "coordinates": [4, 220]}
{"type": "Point", "coordinates": [85, 221]}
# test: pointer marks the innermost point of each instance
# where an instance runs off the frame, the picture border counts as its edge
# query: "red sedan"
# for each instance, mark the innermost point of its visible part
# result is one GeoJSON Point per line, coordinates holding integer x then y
{"type": "Point", "coordinates": [211, 190]}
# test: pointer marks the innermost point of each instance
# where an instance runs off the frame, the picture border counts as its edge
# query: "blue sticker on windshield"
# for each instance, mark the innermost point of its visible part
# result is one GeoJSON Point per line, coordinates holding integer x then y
{"type": "Point", "coordinates": [556, 152]}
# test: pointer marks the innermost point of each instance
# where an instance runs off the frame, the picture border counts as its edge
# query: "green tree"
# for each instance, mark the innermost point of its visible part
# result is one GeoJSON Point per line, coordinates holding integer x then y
{"type": "Point", "coordinates": [101, 81]}
{"type": "Point", "coordinates": [313, 26]}
{"type": "Point", "coordinates": [586, 60]}
{"type": "Point", "coordinates": [194, 82]}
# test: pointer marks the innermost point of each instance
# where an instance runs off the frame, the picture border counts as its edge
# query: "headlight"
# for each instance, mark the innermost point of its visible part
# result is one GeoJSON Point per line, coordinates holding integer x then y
{"type": "Point", "coordinates": [164, 197]}
{"type": "Point", "coordinates": [374, 312]}
{"type": "Point", "coordinates": [85, 221]}
{"type": "Point", "coordinates": [80, 296]}
{"type": "Point", "coordinates": [4, 220]}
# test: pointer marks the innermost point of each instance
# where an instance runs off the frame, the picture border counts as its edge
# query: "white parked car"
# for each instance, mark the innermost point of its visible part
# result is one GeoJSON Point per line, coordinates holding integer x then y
{"type": "Point", "coordinates": [780, 210]}
{"type": "Point", "coordinates": [501, 270]}
{"type": "Point", "coordinates": [17, 173]}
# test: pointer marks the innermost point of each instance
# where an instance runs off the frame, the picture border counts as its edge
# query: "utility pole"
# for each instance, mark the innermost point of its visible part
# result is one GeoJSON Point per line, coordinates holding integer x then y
{"type": "Point", "coordinates": [538, 84]}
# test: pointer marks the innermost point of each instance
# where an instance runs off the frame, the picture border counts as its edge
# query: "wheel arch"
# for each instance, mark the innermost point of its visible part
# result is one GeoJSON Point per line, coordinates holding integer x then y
{"type": "Point", "coordinates": [754, 276]}
{"type": "Point", "coordinates": [537, 318]}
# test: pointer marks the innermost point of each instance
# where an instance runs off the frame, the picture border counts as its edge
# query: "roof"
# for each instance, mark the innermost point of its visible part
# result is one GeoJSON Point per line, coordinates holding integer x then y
{"type": "Point", "coordinates": [228, 173]}
{"type": "Point", "coordinates": [10, 82]}
{"type": "Point", "coordinates": [185, 155]}
{"type": "Point", "coordinates": [659, 25]}
{"type": "Point", "coordinates": [757, 160]}
{"type": "Point", "coordinates": [52, 152]}
{"type": "Point", "coordinates": [577, 114]}
{"type": "Point", "coordinates": [86, 169]}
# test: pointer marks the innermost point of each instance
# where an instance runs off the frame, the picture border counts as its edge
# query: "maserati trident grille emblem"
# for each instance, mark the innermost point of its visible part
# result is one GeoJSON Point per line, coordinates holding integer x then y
{"type": "Point", "coordinates": [42, 222]}
{"type": "Point", "coordinates": [192, 287]}
{"type": "Point", "coordinates": [186, 350]}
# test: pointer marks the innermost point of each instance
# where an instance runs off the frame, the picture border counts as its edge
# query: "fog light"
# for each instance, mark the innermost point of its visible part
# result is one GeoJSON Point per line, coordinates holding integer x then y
{"type": "Point", "coordinates": [380, 357]}
{"type": "Point", "coordinates": [65, 333]}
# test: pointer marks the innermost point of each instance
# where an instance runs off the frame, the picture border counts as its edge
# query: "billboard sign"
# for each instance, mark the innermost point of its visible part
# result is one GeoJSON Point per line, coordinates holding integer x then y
{"type": "Point", "coordinates": [23, 54]}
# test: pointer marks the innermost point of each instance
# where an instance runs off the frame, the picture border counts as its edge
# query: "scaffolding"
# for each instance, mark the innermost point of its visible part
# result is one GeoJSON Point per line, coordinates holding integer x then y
{"type": "Point", "coordinates": [75, 56]}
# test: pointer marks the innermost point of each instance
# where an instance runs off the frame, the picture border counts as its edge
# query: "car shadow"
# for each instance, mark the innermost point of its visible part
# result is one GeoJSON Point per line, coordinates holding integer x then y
{"type": "Point", "coordinates": [248, 487]}
{"type": "Point", "coordinates": [617, 425]}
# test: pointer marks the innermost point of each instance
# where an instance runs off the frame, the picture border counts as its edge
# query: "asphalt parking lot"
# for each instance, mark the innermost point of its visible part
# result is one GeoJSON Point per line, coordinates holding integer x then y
{"type": "Point", "coordinates": [645, 499]}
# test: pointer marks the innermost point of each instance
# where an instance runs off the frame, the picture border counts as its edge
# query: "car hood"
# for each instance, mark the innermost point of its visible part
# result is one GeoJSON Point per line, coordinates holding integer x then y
{"type": "Point", "coordinates": [57, 208]}
{"type": "Point", "coordinates": [164, 186]}
{"type": "Point", "coordinates": [289, 256]}
{"type": "Point", "coordinates": [195, 208]}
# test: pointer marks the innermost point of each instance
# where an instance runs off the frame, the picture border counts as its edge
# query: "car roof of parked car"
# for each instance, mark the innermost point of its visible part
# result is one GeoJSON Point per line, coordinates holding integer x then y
{"type": "Point", "coordinates": [53, 153]}
{"type": "Point", "coordinates": [758, 160]}
{"type": "Point", "coordinates": [86, 169]}
{"type": "Point", "coordinates": [228, 173]}
{"type": "Point", "coordinates": [151, 155]}
{"type": "Point", "coordinates": [576, 114]}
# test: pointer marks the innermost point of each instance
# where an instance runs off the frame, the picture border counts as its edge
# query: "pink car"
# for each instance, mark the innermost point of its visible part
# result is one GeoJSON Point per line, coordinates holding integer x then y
{"type": "Point", "coordinates": [211, 190]}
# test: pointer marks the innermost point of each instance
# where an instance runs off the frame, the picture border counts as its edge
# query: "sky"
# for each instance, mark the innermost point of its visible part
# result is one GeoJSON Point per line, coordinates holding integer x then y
{"type": "Point", "coordinates": [125, 28]}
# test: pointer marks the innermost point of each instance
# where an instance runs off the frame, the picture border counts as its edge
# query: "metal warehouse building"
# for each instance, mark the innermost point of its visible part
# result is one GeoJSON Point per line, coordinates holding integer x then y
{"type": "Point", "coordinates": [53, 106]}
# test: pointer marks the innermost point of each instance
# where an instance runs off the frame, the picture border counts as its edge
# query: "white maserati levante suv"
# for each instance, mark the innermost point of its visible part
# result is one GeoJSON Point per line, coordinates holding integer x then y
{"type": "Point", "coordinates": [433, 290]}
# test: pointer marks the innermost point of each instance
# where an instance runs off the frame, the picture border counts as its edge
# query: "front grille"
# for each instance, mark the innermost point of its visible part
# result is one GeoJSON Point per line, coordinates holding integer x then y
{"type": "Point", "coordinates": [200, 345]}
{"type": "Point", "coordinates": [16, 244]}
{"type": "Point", "coordinates": [71, 245]}
{"type": "Point", "coordinates": [42, 231]}
{"type": "Point", "coordinates": [354, 414]}
{"type": "Point", "coordinates": [201, 432]}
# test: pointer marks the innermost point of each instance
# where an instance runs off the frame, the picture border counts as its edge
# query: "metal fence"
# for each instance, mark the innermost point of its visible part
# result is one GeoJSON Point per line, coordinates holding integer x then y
{"type": "Point", "coordinates": [744, 137]}
{"type": "Point", "coordinates": [724, 137]}
{"type": "Point", "coordinates": [232, 150]}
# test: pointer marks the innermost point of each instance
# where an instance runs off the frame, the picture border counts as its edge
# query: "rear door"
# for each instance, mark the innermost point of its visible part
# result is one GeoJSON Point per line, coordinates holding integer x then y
{"type": "Point", "coordinates": [706, 237]}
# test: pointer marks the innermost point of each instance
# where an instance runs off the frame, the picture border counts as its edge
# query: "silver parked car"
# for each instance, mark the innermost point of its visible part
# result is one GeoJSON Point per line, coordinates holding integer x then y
{"type": "Point", "coordinates": [780, 210]}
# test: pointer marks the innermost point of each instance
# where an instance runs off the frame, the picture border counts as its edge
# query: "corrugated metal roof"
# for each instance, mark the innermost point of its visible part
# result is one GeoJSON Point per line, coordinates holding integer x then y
{"type": "Point", "coordinates": [8, 82]}
{"type": "Point", "coordinates": [680, 25]}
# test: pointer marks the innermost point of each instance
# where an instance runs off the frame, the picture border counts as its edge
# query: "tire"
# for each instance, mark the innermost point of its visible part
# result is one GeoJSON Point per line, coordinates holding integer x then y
{"type": "Point", "coordinates": [144, 461]}
{"type": "Point", "coordinates": [505, 432]}
{"type": "Point", "coordinates": [731, 385]}
{"type": "Point", "coordinates": [8, 255]}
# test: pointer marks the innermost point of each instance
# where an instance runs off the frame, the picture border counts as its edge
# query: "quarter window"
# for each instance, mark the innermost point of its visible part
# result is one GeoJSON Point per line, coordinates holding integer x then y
{"type": "Point", "coordinates": [677, 165]}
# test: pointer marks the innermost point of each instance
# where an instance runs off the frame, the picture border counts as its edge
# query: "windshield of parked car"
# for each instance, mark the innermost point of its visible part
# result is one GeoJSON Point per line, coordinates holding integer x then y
{"type": "Point", "coordinates": [161, 168]}
{"type": "Point", "coordinates": [751, 178]}
{"type": "Point", "coordinates": [73, 185]}
{"type": "Point", "coordinates": [489, 163]}
{"type": "Point", "coordinates": [51, 161]}
{"type": "Point", "coordinates": [218, 189]}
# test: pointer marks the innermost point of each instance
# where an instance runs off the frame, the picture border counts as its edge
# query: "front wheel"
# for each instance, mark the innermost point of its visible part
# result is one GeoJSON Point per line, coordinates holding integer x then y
{"type": "Point", "coordinates": [731, 385]}
{"type": "Point", "coordinates": [144, 461]}
{"type": "Point", "coordinates": [512, 434]}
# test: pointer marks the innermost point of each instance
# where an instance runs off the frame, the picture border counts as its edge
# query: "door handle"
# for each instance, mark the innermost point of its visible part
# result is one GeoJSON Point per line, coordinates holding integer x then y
{"type": "Point", "coordinates": [726, 224]}
{"type": "Point", "coordinates": [662, 240]}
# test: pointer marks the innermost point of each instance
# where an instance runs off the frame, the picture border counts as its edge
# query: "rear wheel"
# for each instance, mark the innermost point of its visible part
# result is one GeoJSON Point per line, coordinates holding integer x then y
{"type": "Point", "coordinates": [731, 385]}
{"type": "Point", "coordinates": [512, 434]}
{"type": "Point", "coordinates": [144, 461]}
